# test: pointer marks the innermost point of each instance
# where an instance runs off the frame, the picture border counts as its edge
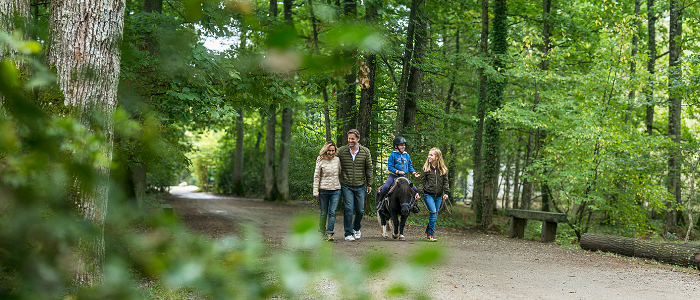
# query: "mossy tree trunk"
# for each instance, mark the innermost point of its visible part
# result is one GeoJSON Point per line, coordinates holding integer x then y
{"type": "Point", "coordinates": [83, 47]}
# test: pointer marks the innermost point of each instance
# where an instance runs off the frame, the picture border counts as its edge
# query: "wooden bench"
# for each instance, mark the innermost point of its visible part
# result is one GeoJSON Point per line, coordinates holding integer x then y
{"type": "Point", "coordinates": [519, 217]}
{"type": "Point", "coordinates": [167, 209]}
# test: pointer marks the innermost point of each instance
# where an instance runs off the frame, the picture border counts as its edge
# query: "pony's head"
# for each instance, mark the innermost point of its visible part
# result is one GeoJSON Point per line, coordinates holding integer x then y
{"type": "Point", "coordinates": [404, 196]}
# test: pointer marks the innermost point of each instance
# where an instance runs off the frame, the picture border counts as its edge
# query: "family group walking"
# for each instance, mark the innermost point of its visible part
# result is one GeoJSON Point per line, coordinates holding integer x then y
{"type": "Point", "coordinates": [347, 171]}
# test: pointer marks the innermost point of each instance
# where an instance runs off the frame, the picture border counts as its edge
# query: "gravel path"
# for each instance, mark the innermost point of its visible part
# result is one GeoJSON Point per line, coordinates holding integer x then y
{"type": "Point", "coordinates": [478, 266]}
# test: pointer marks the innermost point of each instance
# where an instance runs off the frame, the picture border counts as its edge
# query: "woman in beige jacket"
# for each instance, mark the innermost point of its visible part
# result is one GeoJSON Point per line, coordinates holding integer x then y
{"type": "Point", "coordinates": [327, 187]}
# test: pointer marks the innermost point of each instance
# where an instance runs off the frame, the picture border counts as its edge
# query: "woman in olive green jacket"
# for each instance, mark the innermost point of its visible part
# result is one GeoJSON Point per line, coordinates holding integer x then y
{"type": "Point", "coordinates": [435, 186]}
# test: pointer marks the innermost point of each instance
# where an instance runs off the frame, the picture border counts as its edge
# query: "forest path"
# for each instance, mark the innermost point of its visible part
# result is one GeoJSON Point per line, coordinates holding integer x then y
{"type": "Point", "coordinates": [477, 266]}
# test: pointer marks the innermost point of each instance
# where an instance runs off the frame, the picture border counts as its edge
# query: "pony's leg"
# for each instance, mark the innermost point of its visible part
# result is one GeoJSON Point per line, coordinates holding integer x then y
{"type": "Point", "coordinates": [395, 220]}
{"type": "Point", "coordinates": [382, 223]}
{"type": "Point", "coordinates": [401, 226]}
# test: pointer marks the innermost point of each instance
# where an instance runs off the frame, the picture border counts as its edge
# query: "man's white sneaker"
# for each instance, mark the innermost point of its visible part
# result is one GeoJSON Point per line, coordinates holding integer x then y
{"type": "Point", "coordinates": [357, 234]}
{"type": "Point", "coordinates": [350, 238]}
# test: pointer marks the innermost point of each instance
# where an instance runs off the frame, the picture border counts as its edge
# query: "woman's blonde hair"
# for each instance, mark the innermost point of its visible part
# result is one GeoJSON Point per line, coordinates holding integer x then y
{"type": "Point", "coordinates": [325, 147]}
{"type": "Point", "coordinates": [440, 163]}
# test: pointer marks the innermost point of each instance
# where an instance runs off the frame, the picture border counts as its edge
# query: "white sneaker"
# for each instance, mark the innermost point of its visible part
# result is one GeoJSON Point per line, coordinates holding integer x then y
{"type": "Point", "coordinates": [350, 238]}
{"type": "Point", "coordinates": [357, 234]}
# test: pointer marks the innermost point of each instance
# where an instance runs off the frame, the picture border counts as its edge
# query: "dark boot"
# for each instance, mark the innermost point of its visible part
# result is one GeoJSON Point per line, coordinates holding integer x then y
{"type": "Point", "coordinates": [415, 209]}
{"type": "Point", "coordinates": [378, 199]}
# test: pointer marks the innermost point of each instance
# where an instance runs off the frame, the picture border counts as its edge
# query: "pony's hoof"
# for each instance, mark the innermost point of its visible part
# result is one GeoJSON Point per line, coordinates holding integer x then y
{"type": "Point", "coordinates": [395, 236]}
{"type": "Point", "coordinates": [385, 236]}
{"type": "Point", "coordinates": [402, 238]}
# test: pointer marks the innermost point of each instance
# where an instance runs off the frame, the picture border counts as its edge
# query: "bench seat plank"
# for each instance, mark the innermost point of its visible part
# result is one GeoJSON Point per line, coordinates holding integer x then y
{"type": "Point", "coordinates": [518, 221]}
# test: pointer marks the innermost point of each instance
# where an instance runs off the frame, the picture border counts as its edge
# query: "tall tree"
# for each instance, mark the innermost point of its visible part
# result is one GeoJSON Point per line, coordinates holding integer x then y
{"type": "Point", "coordinates": [449, 102]}
{"type": "Point", "coordinates": [237, 183]}
{"type": "Point", "coordinates": [675, 33]}
{"type": "Point", "coordinates": [324, 88]}
{"type": "Point", "coordinates": [368, 71]}
{"type": "Point", "coordinates": [347, 98]}
{"type": "Point", "coordinates": [285, 130]}
{"type": "Point", "coordinates": [406, 66]}
{"type": "Point", "coordinates": [478, 192]}
{"type": "Point", "coordinates": [83, 47]}
{"type": "Point", "coordinates": [544, 66]}
{"type": "Point", "coordinates": [14, 14]}
{"type": "Point", "coordinates": [651, 64]}
{"type": "Point", "coordinates": [492, 126]}
{"type": "Point", "coordinates": [270, 133]}
{"type": "Point", "coordinates": [415, 78]}
{"type": "Point", "coordinates": [633, 61]}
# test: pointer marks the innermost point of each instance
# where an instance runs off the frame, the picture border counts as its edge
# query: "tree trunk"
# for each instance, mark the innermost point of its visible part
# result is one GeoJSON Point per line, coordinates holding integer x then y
{"type": "Point", "coordinates": [273, 9]}
{"type": "Point", "coordinates": [238, 156]}
{"type": "Point", "coordinates": [415, 78]}
{"type": "Point", "coordinates": [14, 15]}
{"type": "Point", "coordinates": [270, 132]}
{"type": "Point", "coordinates": [678, 254]}
{"type": "Point", "coordinates": [367, 86]}
{"type": "Point", "coordinates": [526, 196]}
{"type": "Point", "coordinates": [492, 127]}
{"type": "Point", "coordinates": [674, 110]}
{"type": "Point", "coordinates": [347, 98]}
{"type": "Point", "coordinates": [285, 145]}
{"type": "Point", "coordinates": [478, 189]}
{"type": "Point", "coordinates": [651, 65]}
{"type": "Point", "coordinates": [507, 180]}
{"type": "Point", "coordinates": [138, 179]}
{"type": "Point", "coordinates": [83, 47]}
{"type": "Point", "coordinates": [633, 61]}
{"type": "Point", "coordinates": [516, 174]}
{"type": "Point", "coordinates": [324, 91]}
{"type": "Point", "coordinates": [326, 114]}
{"type": "Point", "coordinates": [405, 73]}
{"type": "Point", "coordinates": [449, 147]}
{"type": "Point", "coordinates": [152, 6]}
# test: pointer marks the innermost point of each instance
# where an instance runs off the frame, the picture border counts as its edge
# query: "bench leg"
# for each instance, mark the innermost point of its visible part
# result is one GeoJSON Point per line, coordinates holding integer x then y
{"type": "Point", "coordinates": [517, 227]}
{"type": "Point", "coordinates": [549, 232]}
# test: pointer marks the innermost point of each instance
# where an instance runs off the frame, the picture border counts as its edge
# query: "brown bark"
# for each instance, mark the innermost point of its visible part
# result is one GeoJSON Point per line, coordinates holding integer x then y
{"type": "Point", "coordinates": [238, 156]}
{"type": "Point", "coordinates": [14, 14]}
{"type": "Point", "coordinates": [270, 132]}
{"type": "Point", "coordinates": [415, 78]}
{"type": "Point", "coordinates": [633, 61]}
{"type": "Point", "coordinates": [651, 64]}
{"type": "Point", "coordinates": [674, 111]}
{"type": "Point", "coordinates": [367, 82]}
{"type": "Point", "coordinates": [347, 98]}
{"type": "Point", "coordinates": [285, 146]}
{"type": "Point", "coordinates": [324, 92]}
{"type": "Point", "coordinates": [478, 190]}
{"type": "Point", "coordinates": [273, 9]}
{"type": "Point", "coordinates": [405, 74]}
{"type": "Point", "coordinates": [678, 254]}
{"type": "Point", "coordinates": [516, 174]}
{"type": "Point", "coordinates": [83, 47]}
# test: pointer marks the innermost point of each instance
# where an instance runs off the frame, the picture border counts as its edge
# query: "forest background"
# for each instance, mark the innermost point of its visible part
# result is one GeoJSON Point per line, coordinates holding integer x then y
{"type": "Point", "coordinates": [584, 107]}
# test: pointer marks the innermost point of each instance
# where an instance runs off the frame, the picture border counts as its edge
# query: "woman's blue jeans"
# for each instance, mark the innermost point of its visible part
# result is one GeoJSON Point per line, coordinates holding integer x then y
{"type": "Point", "coordinates": [433, 204]}
{"type": "Point", "coordinates": [328, 199]}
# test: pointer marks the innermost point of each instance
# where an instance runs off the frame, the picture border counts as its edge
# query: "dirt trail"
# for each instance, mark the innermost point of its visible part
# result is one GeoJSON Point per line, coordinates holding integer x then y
{"type": "Point", "coordinates": [477, 266]}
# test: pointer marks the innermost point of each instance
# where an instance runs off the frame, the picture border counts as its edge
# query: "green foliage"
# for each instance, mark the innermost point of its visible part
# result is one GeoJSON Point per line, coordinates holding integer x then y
{"type": "Point", "coordinates": [41, 232]}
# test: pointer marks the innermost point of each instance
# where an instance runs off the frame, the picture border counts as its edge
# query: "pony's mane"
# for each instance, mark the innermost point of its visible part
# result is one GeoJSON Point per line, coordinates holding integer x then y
{"type": "Point", "coordinates": [403, 188]}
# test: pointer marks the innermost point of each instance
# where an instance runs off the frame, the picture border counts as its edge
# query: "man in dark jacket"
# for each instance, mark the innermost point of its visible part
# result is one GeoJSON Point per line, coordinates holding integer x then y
{"type": "Point", "coordinates": [355, 182]}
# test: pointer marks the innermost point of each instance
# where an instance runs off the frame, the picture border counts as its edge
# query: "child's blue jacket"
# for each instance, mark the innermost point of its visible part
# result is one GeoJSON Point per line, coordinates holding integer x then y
{"type": "Point", "coordinates": [401, 162]}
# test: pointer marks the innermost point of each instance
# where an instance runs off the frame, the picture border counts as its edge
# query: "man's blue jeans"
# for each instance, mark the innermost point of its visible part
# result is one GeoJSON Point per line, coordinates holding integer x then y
{"type": "Point", "coordinates": [353, 198]}
{"type": "Point", "coordinates": [328, 199]}
{"type": "Point", "coordinates": [433, 204]}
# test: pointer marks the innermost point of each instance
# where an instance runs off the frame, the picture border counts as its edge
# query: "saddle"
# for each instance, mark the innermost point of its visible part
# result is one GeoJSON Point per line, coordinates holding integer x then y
{"type": "Point", "coordinates": [383, 204]}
